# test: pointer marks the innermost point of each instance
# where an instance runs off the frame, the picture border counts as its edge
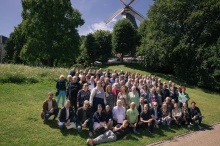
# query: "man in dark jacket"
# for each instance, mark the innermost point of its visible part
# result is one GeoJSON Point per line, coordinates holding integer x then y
{"type": "Point", "coordinates": [164, 92]}
{"type": "Point", "coordinates": [67, 115]}
{"type": "Point", "coordinates": [84, 118]}
{"type": "Point", "coordinates": [72, 91]}
{"type": "Point", "coordinates": [49, 108]}
{"type": "Point", "coordinates": [195, 113]}
{"type": "Point", "coordinates": [157, 114]}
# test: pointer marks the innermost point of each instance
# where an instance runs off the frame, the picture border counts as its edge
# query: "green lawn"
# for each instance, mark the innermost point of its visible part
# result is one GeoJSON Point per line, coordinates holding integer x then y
{"type": "Point", "coordinates": [21, 104]}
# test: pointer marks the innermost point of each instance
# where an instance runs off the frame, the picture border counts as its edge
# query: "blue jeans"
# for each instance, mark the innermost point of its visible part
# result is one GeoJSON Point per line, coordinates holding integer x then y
{"type": "Point", "coordinates": [55, 113]}
{"type": "Point", "coordinates": [89, 124]}
{"type": "Point", "coordinates": [63, 94]}
{"type": "Point", "coordinates": [199, 118]}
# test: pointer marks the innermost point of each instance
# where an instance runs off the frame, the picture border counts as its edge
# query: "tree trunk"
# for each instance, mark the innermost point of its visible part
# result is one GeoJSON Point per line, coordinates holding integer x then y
{"type": "Point", "coordinates": [122, 56]}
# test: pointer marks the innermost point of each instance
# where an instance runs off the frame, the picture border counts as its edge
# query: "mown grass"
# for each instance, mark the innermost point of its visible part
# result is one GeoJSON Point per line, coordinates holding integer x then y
{"type": "Point", "coordinates": [21, 104]}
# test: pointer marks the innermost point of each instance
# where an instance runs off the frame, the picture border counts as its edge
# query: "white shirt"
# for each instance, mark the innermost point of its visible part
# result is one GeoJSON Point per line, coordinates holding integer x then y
{"type": "Point", "coordinates": [67, 113]}
{"type": "Point", "coordinates": [50, 105]}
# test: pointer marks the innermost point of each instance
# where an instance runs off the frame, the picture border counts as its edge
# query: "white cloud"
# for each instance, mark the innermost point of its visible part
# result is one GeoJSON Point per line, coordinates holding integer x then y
{"type": "Point", "coordinates": [99, 26]}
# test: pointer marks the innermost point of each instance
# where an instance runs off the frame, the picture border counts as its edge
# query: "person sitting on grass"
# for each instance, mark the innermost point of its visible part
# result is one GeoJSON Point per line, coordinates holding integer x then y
{"type": "Point", "coordinates": [84, 118]}
{"type": "Point", "coordinates": [186, 114]}
{"type": "Point", "coordinates": [99, 119]}
{"type": "Point", "coordinates": [195, 113]}
{"type": "Point", "coordinates": [132, 117]}
{"type": "Point", "coordinates": [119, 132]}
{"type": "Point", "coordinates": [166, 118]}
{"type": "Point", "coordinates": [157, 114]}
{"type": "Point", "coordinates": [147, 119]}
{"type": "Point", "coordinates": [108, 117]}
{"type": "Point", "coordinates": [177, 115]}
{"type": "Point", "coordinates": [66, 115]}
{"type": "Point", "coordinates": [50, 108]}
{"type": "Point", "coordinates": [118, 113]}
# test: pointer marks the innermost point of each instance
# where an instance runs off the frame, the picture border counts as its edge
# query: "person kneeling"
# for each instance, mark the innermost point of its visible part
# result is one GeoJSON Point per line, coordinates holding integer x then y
{"type": "Point", "coordinates": [50, 108]}
{"type": "Point", "coordinates": [147, 119]}
{"type": "Point", "coordinates": [84, 118]}
{"type": "Point", "coordinates": [66, 115]}
{"type": "Point", "coordinates": [132, 117]}
{"type": "Point", "coordinates": [119, 132]}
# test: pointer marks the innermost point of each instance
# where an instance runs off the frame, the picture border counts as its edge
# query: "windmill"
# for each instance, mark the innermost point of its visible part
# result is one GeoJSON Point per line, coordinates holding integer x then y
{"type": "Point", "coordinates": [127, 12]}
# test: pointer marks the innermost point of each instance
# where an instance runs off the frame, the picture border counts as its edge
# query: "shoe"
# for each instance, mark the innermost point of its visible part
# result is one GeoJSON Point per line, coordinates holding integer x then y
{"type": "Point", "coordinates": [168, 127]}
{"type": "Point", "coordinates": [191, 124]}
{"type": "Point", "coordinates": [199, 127]}
{"type": "Point", "coordinates": [156, 126]}
{"type": "Point", "coordinates": [89, 142]}
{"type": "Point", "coordinates": [151, 132]}
{"type": "Point", "coordinates": [188, 126]}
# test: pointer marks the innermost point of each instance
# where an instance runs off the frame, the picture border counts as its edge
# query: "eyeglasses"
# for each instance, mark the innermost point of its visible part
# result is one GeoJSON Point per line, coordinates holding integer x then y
{"type": "Point", "coordinates": [155, 105]}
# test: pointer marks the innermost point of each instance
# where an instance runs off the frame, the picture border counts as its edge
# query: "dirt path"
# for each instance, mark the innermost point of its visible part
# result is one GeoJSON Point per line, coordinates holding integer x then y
{"type": "Point", "coordinates": [208, 136]}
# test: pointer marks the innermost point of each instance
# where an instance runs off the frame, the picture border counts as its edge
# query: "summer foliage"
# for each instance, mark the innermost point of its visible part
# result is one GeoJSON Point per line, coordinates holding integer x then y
{"type": "Point", "coordinates": [47, 34]}
{"type": "Point", "coordinates": [182, 37]}
{"type": "Point", "coordinates": [21, 104]}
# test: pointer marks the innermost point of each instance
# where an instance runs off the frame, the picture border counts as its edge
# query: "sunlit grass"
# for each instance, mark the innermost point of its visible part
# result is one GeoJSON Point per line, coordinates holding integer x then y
{"type": "Point", "coordinates": [21, 104]}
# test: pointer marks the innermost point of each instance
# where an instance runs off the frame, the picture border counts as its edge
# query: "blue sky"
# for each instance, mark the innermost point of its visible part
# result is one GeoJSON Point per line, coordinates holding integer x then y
{"type": "Point", "coordinates": [94, 12]}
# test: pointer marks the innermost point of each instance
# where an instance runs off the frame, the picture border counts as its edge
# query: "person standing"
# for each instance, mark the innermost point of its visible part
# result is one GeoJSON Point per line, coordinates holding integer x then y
{"type": "Point", "coordinates": [97, 97]}
{"type": "Point", "coordinates": [49, 108]}
{"type": "Point", "coordinates": [61, 89]}
{"type": "Point", "coordinates": [110, 97]}
{"type": "Point", "coordinates": [72, 91]}
{"type": "Point", "coordinates": [134, 96]}
{"type": "Point", "coordinates": [123, 96]}
{"type": "Point", "coordinates": [183, 97]}
{"type": "Point", "coordinates": [83, 94]}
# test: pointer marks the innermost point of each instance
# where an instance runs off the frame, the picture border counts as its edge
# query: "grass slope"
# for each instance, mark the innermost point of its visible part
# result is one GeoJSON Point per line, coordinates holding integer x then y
{"type": "Point", "coordinates": [21, 105]}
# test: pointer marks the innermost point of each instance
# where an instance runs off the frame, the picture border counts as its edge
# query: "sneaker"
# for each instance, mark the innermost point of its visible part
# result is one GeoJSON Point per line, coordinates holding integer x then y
{"type": "Point", "coordinates": [199, 127]}
{"type": "Point", "coordinates": [89, 142]}
{"type": "Point", "coordinates": [188, 126]}
{"type": "Point", "coordinates": [156, 126]}
{"type": "Point", "coordinates": [191, 124]}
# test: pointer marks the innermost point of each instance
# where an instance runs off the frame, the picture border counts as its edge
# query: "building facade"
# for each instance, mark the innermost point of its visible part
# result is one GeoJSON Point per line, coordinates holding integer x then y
{"type": "Point", "coordinates": [2, 44]}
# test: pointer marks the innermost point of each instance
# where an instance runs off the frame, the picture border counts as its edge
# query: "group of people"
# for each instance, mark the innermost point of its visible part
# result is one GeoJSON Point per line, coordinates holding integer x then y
{"type": "Point", "coordinates": [128, 102]}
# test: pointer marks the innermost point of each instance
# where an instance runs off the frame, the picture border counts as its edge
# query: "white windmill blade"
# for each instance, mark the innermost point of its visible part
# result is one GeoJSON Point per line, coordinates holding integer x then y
{"type": "Point", "coordinates": [136, 14]}
{"type": "Point", "coordinates": [114, 15]}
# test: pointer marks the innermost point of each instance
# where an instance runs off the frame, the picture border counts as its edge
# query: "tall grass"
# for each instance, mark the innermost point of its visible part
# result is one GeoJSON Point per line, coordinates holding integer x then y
{"type": "Point", "coordinates": [10, 73]}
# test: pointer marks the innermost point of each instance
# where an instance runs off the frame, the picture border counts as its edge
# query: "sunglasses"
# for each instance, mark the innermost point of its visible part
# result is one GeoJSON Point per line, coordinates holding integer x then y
{"type": "Point", "coordinates": [155, 105]}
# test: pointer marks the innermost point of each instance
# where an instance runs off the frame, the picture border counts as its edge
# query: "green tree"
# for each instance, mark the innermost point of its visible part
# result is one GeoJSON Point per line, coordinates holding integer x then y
{"type": "Point", "coordinates": [178, 37]}
{"type": "Point", "coordinates": [103, 44]}
{"type": "Point", "coordinates": [50, 30]}
{"type": "Point", "coordinates": [88, 51]}
{"type": "Point", "coordinates": [14, 45]}
{"type": "Point", "coordinates": [124, 38]}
